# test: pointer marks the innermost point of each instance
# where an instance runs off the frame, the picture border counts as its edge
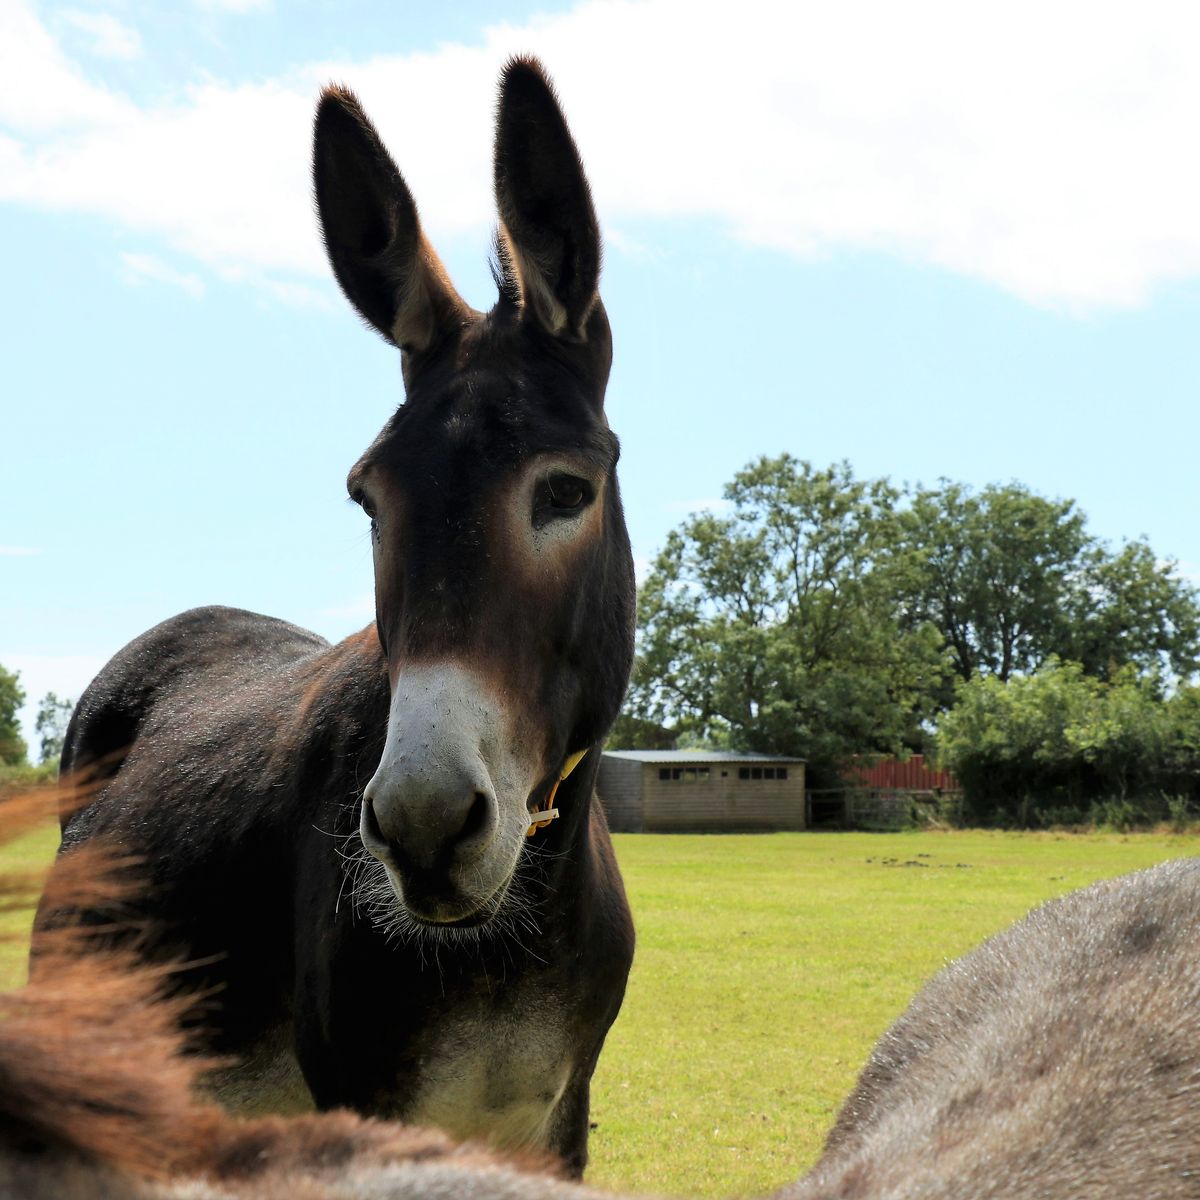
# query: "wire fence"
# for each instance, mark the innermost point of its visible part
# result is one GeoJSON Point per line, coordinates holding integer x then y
{"type": "Point", "coordinates": [881, 808]}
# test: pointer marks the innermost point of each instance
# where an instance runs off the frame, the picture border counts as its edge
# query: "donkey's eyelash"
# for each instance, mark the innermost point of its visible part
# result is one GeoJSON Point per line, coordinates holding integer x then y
{"type": "Point", "coordinates": [363, 501]}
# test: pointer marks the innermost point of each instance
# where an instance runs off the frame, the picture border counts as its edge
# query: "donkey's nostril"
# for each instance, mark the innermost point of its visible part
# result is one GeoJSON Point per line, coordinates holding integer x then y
{"type": "Point", "coordinates": [478, 819]}
{"type": "Point", "coordinates": [369, 829]}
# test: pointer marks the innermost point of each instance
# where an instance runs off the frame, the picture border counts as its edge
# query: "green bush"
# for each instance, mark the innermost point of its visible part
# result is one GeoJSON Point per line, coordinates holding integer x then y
{"type": "Point", "coordinates": [1180, 812]}
{"type": "Point", "coordinates": [1117, 815]}
{"type": "Point", "coordinates": [1062, 747]}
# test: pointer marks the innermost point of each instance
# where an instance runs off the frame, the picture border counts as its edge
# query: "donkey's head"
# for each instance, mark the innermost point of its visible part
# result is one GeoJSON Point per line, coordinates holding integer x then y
{"type": "Point", "coordinates": [503, 577]}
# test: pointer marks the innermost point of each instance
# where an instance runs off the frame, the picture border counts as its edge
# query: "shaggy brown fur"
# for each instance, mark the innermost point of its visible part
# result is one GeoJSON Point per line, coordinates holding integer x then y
{"type": "Point", "coordinates": [1058, 1060]}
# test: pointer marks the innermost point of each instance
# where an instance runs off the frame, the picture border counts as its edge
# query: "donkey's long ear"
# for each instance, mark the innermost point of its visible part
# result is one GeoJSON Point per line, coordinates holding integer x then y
{"type": "Point", "coordinates": [387, 269]}
{"type": "Point", "coordinates": [548, 226]}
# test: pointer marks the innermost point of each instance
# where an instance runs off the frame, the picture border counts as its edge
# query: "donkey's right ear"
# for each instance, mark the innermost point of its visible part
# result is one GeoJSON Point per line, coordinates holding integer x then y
{"type": "Point", "coordinates": [386, 268]}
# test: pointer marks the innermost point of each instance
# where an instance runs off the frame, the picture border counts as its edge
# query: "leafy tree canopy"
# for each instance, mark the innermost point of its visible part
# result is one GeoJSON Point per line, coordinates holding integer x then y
{"type": "Point", "coordinates": [1042, 747]}
{"type": "Point", "coordinates": [826, 616]}
{"type": "Point", "coordinates": [1130, 608]}
{"type": "Point", "coordinates": [53, 716]}
{"type": "Point", "coordinates": [12, 696]}
{"type": "Point", "coordinates": [775, 627]}
{"type": "Point", "coordinates": [1011, 579]}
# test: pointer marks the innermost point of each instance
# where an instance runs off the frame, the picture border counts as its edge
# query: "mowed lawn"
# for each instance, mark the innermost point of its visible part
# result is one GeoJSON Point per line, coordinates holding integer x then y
{"type": "Point", "coordinates": [768, 964]}
{"type": "Point", "coordinates": [766, 967]}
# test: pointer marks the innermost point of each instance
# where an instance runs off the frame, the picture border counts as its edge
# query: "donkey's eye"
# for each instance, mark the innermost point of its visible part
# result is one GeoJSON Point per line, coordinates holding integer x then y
{"type": "Point", "coordinates": [567, 491]}
{"type": "Point", "coordinates": [560, 495]}
{"type": "Point", "coordinates": [364, 502]}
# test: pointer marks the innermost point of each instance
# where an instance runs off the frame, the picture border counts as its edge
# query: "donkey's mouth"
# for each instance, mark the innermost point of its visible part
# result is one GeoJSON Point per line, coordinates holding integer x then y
{"type": "Point", "coordinates": [480, 917]}
{"type": "Point", "coordinates": [441, 906]}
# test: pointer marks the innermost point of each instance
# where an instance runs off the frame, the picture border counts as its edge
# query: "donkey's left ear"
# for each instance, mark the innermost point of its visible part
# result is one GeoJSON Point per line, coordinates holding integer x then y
{"type": "Point", "coordinates": [548, 224]}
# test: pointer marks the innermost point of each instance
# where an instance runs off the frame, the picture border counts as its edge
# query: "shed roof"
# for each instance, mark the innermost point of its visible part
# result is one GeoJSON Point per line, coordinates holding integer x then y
{"type": "Point", "coordinates": [697, 756]}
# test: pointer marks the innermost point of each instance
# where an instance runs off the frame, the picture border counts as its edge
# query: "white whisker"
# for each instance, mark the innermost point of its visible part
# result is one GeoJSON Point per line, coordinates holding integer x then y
{"type": "Point", "coordinates": [510, 921]}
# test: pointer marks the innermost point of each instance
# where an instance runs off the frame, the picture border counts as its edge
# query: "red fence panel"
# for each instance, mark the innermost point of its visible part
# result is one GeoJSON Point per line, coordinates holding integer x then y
{"type": "Point", "coordinates": [910, 774]}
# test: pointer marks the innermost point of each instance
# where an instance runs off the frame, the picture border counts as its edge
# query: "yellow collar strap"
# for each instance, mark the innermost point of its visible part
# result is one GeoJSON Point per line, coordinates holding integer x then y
{"type": "Point", "coordinates": [540, 818]}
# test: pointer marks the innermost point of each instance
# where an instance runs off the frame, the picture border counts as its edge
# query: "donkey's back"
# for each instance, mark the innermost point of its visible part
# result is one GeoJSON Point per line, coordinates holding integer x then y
{"type": "Point", "coordinates": [209, 748]}
{"type": "Point", "coordinates": [173, 674]}
{"type": "Point", "coordinates": [1059, 1059]}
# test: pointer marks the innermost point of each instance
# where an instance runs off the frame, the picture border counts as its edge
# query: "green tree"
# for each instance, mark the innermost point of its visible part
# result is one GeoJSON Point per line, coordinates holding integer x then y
{"type": "Point", "coordinates": [1012, 579]}
{"type": "Point", "coordinates": [993, 572]}
{"type": "Point", "coordinates": [1121, 737]}
{"type": "Point", "coordinates": [1182, 752]}
{"type": "Point", "coordinates": [634, 733]}
{"type": "Point", "coordinates": [1130, 608]}
{"type": "Point", "coordinates": [774, 628]}
{"type": "Point", "coordinates": [53, 716]}
{"type": "Point", "coordinates": [12, 696]}
{"type": "Point", "coordinates": [1046, 747]}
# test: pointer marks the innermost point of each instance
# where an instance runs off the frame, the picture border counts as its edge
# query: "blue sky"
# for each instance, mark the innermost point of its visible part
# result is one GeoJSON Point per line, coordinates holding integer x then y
{"type": "Point", "coordinates": [929, 245]}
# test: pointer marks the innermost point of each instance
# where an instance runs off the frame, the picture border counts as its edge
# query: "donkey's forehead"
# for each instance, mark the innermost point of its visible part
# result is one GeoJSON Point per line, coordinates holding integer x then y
{"type": "Point", "coordinates": [497, 412]}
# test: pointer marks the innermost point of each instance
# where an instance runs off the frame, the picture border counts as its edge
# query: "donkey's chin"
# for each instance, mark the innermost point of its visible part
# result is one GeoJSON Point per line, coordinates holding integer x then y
{"type": "Point", "coordinates": [483, 898]}
{"type": "Point", "coordinates": [447, 907]}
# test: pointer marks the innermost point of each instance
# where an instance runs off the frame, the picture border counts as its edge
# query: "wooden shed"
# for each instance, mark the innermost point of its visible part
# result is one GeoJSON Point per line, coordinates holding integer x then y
{"type": "Point", "coordinates": [661, 791]}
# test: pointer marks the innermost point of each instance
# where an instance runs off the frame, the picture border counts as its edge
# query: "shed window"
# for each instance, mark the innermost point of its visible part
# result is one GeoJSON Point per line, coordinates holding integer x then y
{"type": "Point", "coordinates": [664, 772]}
{"type": "Point", "coordinates": [762, 772]}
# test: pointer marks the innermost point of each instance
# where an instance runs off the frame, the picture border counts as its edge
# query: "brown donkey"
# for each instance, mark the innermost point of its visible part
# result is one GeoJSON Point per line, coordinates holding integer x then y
{"type": "Point", "coordinates": [449, 943]}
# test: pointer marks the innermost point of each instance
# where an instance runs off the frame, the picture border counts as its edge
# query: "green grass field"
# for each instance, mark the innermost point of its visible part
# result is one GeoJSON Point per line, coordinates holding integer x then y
{"type": "Point", "coordinates": [28, 853]}
{"type": "Point", "coordinates": [767, 965]}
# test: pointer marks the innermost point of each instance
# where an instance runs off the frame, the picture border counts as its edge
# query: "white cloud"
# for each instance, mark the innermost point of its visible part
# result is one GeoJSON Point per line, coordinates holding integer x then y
{"type": "Point", "coordinates": [138, 268]}
{"type": "Point", "coordinates": [340, 620]}
{"type": "Point", "coordinates": [43, 92]}
{"type": "Point", "coordinates": [1043, 146]}
{"type": "Point", "coordinates": [631, 247]}
{"type": "Point", "coordinates": [109, 37]}
{"type": "Point", "coordinates": [19, 552]}
{"type": "Point", "coordinates": [299, 295]}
